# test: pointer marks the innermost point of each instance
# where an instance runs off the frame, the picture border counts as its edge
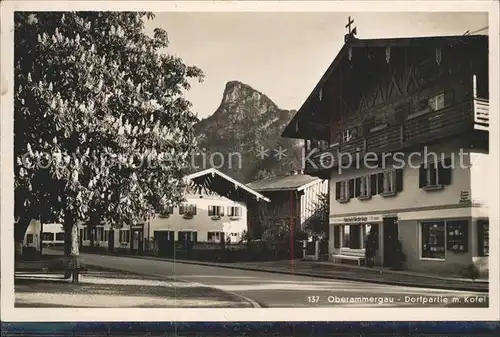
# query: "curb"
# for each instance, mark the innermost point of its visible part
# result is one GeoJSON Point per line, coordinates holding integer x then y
{"type": "Point", "coordinates": [253, 303]}
{"type": "Point", "coordinates": [334, 277]}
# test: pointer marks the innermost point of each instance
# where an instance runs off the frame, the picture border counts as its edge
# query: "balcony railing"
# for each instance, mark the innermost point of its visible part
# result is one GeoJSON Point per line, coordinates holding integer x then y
{"type": "Point", "coordinates": [422, 129]}
{"type": "Point", "coordinates": [481, 114]}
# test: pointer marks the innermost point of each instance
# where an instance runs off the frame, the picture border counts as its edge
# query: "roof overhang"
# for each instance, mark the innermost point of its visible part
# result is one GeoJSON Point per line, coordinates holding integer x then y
{"type": "Point", "coordinates": [220, 183]}
{"type": "Point", "coordinates": [304, 126]}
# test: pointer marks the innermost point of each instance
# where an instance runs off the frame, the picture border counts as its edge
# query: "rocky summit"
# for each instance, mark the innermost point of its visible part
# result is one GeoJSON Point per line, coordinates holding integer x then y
{"type": "Point", "coordinates": [244, 134]}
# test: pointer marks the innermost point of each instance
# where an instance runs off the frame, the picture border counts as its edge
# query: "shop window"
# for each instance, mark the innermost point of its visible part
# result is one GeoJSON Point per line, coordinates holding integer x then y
{"type": "Point", "coordinates": [483, 237]}
{"type": "Point", "coordinates": [457, 236]}
{"type": "Point", "coordinates": [435, 174]}
{"type": "Point", "coordinates": [352, 237]}
{"type": "Point", "coordinates": [433, 240]}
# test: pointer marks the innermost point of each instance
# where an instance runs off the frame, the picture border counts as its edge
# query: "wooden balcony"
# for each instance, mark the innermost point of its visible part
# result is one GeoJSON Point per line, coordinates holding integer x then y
{"type": "Point", "coordinates": [419, 130]}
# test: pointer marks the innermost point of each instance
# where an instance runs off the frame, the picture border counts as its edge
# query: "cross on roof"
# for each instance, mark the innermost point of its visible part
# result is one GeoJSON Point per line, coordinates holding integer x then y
{"type": "Point", "coordinates": [349, 23]}
{"type": "Point", "coordinates": [352, 31]}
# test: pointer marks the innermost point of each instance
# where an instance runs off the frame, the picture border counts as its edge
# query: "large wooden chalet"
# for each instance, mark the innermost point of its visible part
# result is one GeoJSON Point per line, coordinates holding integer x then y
{"type": "Point", "coordinates": [380, 107]}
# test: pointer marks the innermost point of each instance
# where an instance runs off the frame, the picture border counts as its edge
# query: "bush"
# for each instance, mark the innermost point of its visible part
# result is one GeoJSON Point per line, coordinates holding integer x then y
{"type": "Point", "coordinates": [30, 254]}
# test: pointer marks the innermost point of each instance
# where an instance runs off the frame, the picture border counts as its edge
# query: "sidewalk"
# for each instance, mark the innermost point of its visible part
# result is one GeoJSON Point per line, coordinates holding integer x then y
{"type": "Point", "coordinates": [107, 288]}
{"type": "Point", "coordinates": [326, 269]}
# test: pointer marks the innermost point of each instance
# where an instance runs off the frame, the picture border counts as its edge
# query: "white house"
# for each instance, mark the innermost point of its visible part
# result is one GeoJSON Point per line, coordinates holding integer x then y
{"type": "Point", "coordinates": [214, 209]}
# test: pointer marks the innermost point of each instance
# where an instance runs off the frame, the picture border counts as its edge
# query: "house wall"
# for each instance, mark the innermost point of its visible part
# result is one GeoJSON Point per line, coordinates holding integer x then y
{"type": "Point", "coordinates": [309, 200]}
{"type": "Point", "coordinates": [202, 223]}
{"type": "Point", "coordinates": [463, 199]}
{"type": "Point", "coordinates": [411, 197]}
{"type": "Point", "coordinates": [34, 229]}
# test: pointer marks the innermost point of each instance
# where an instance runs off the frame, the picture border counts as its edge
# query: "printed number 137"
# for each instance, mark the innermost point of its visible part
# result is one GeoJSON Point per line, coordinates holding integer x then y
{"type": "Point", "coordinates": [313, 299]}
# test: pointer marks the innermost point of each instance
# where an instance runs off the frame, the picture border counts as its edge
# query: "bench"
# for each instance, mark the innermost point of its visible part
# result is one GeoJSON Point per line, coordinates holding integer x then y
{"type": "Point", "coordinates": [357, 255]}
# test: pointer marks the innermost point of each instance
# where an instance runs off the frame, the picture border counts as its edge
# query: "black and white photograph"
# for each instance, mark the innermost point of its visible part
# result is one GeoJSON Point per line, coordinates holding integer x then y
{"type": "Point", "coordinates": [156, 156]}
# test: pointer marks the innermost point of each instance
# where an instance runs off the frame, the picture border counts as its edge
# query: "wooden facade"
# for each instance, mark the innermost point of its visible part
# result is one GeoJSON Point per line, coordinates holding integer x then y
{"type": "Point", "coordinates": [391, 95]}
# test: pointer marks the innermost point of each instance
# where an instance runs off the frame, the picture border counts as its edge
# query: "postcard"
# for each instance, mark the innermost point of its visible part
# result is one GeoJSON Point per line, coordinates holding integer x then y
{"type": "Point", "coordinates": [249, 161]}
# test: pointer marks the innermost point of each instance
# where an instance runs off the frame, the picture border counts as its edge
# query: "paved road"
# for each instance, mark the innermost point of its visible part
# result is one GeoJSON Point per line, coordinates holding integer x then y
{"type": "Point", "coordinates": [277, 290]}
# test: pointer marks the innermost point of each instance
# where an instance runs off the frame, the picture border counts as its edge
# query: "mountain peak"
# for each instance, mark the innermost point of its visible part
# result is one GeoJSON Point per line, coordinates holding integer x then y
{"type": "Point", "coordinates": [236, 91]}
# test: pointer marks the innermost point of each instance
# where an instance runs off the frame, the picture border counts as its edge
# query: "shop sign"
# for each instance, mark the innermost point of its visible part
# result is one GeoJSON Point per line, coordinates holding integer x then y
{"type": "Point", "coordinates": [356, 219]}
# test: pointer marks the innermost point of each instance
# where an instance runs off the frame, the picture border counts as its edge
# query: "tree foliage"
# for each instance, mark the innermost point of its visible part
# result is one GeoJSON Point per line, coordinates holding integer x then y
{"type": "Point", "coordinates": [102, 128]}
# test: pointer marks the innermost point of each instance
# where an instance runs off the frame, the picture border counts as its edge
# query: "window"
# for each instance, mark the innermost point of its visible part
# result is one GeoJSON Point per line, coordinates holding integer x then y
{"type": "Point", "coordinates": [344, 190]}
{"type": "Point", "coordinates": [187, 236]}
{"type": "Point", "coordinates": [47, 236]}
{"type": "Point", "coordinates": [437, 102]}
{"type": "Point", "coordinates": [100, 234]}
{"type": "Point", "coordinates": [124, 235]}
{"type": "Point", "coordinates": [234, 211]}
{"type": "Point", "coordinates": [362, 187]}
{"type": "Point", "coordinates": [435, 174]}
{"type": "Point", "coordinates": [433, 240]}
{"type": "Point", "coordinates": [214, 236]}
{"type": "Point", "coordinates": [106, 235]}
{"type": "Point", "coordinates": [187, 208]}
{"type": "Point", "coordinates": [336, 236]}
{"type": "Point", "coordinates": [483, 237]}
{"type": "Point", "coordinates": [60, 236]}
{"type": "Point", "coordinates": [346, 135]}
{"type": "Point", "coordinates": [29, 238]}
{"type": "Point", "coordinates": [215, 211]}
{"type": "Point", "coordinates": [89, 233]}
{"type": "Point", "coordinates": [389, 182]}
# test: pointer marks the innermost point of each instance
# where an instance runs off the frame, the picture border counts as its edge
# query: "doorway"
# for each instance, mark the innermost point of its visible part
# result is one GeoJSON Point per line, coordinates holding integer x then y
{"type": "Point", "coordinates": [390, 240]}
{"type": "Point", "coordinates": [137, 239]}
{"type": "Point", "coordinates": [165, 242]}
{"type": "Point", "coordinates": [111, 240]}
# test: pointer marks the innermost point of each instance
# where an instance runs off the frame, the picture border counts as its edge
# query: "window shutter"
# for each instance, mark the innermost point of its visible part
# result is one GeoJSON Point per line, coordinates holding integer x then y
{"type": "Point", "coordinates": [399, 180]}
{"type": "Point", "coordinates": [357, 187]}
{"type": "Point", "coordinates": [444, 172]}
{"type": "Point", "coordinates": [336, 235]}
{"type": "Point", "coordinates": [380, 182]}
{"type": "Point", "coordinates": [422, 176]}
{"type": "Point", "coordinates": [449, 98]}
{"type": "Point", "coordinates": [221, 210]}
{"type": "Point", "coordinates": [373, 184]}
{"type": "Point", "coordinates": [351, 188]}
{"type": "Point", "coordinates": [337, 190]}
{"type": "Point", "coordinates": [210, 211]}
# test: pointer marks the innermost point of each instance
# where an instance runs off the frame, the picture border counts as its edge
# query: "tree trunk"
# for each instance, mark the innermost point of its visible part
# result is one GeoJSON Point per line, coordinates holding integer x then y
{"type": "Point", "coordinates": [71, 247]}
{"type": "Point", "coordinates": [19, 230]}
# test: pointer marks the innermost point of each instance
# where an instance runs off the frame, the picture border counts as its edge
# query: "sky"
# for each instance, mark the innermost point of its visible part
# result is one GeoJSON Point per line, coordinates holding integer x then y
{"type": "Point", "coordinates": [283, 55]}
